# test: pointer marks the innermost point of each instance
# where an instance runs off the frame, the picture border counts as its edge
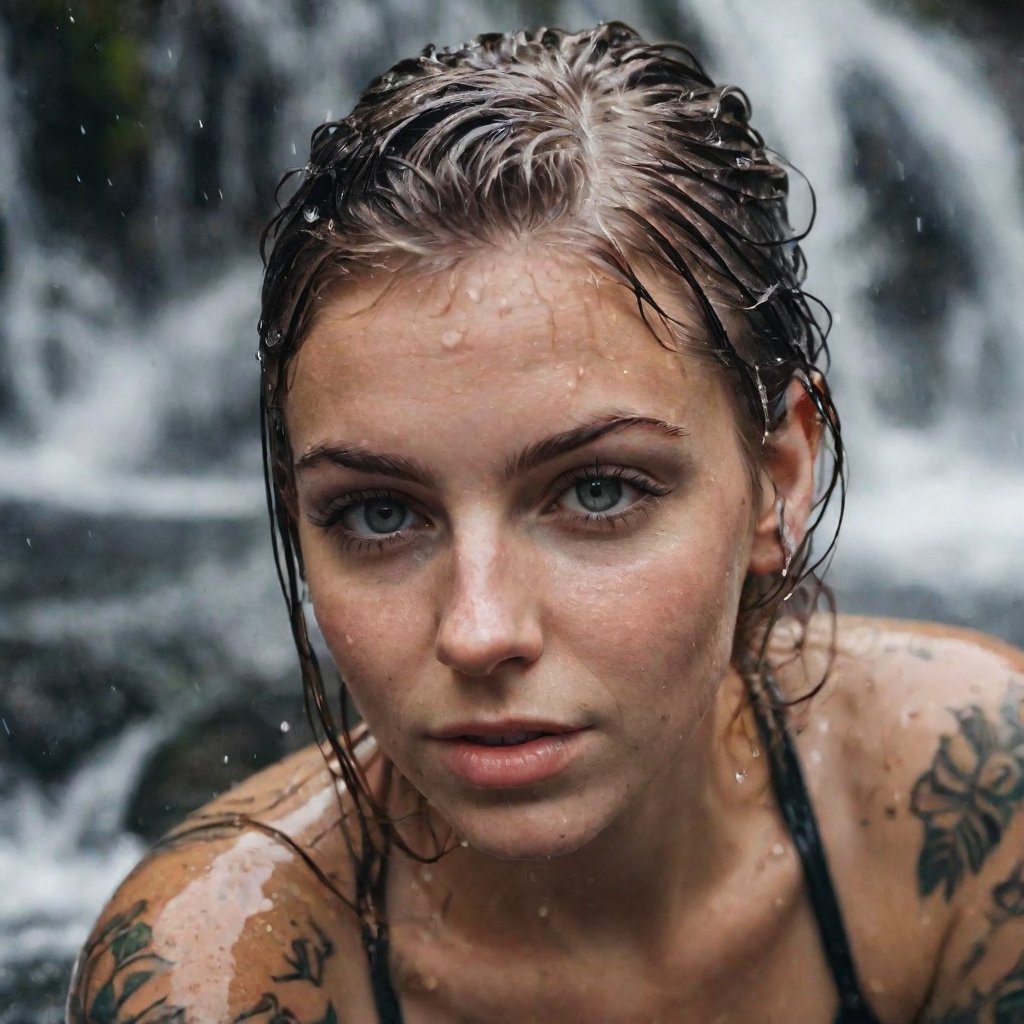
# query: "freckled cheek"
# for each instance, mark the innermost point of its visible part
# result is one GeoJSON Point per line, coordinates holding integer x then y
{"type": "Point", "coordinates": [372, 633]}
{"type": "Point", "coordinates": [667, 620]}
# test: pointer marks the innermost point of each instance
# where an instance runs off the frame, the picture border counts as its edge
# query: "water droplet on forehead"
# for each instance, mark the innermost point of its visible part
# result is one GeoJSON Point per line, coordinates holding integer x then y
{"type": "Point", "coordinates": [452, 339]}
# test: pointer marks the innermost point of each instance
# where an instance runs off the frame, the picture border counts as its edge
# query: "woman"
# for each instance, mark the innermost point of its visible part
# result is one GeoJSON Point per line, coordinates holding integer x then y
{"type": "Point", "coordinates": [543, 400]}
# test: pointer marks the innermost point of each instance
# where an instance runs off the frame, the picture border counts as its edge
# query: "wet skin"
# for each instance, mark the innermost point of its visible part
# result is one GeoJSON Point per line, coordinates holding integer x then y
{"type": "Point", "coordinates": [501, 597]}
{"type": "Point", "coordinates": [462, 576]}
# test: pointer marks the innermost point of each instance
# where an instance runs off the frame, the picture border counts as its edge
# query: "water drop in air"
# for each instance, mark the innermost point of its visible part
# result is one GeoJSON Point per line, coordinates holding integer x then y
{"type": "Point", "coordinates": [311, 214]}
{"type": "Point", "coordinates": [81, 128]}
{"type": "Point", "coordinates": [284, 727]}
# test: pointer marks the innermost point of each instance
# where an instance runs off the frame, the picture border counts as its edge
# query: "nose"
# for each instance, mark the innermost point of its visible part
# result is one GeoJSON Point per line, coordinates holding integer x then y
{"type": "Point", "coordinates": [490, 615]}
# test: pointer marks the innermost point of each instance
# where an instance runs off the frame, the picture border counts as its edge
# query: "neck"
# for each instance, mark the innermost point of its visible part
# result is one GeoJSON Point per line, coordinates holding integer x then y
{"type": "Point", "coordinates": [633, 882]}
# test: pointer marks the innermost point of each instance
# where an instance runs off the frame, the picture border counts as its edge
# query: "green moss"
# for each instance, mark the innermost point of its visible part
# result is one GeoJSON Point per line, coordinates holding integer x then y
{"type": "Point", "coordinates": [81, 70]}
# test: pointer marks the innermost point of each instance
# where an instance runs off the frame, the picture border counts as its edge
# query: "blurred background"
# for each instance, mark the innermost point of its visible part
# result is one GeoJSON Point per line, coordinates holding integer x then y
{"type": "Point", "coordinates": [144, 658]}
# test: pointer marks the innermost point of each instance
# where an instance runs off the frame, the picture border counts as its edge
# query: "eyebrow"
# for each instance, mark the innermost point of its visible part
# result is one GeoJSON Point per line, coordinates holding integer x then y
{"type": "Point", "coordinates": [364, 461]}
{"type": "Point", "coordinates": [559, 444]}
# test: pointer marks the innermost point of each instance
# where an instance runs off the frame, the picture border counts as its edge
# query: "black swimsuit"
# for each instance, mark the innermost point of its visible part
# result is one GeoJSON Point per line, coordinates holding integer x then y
{"type": "Point", "coordinates": [795, 804]}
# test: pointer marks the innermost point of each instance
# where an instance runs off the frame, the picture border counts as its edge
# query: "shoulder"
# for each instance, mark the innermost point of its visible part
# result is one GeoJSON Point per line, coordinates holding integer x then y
{"type": "Point", "coordinates": [929, 742]}
{"type": "Point", "coordinates": [242, 913]}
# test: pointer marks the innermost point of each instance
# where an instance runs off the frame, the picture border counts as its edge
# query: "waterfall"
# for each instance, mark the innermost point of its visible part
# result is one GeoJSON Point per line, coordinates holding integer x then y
{"type": "Point", "coordinates": [138, 584]}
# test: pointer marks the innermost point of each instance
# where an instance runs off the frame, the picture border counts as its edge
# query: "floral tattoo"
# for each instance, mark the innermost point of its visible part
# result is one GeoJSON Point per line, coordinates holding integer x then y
{"type": "Point", "coordinates": [970, 793]}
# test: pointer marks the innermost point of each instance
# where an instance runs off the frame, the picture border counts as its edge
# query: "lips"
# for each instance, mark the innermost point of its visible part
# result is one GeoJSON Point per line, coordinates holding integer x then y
{"type": "Point", "coordinates": [512, 729]}
{"type": "Point", "coordinates": [508, 755]}
{"type": "Point", "coordinates": [505, 740]}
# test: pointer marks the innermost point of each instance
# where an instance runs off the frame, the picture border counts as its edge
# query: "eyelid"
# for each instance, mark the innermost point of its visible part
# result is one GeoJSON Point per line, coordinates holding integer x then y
{"type": "Point", "coordinates": [327, 514]}
{"type": "Point", "coordinates": [638, 478]}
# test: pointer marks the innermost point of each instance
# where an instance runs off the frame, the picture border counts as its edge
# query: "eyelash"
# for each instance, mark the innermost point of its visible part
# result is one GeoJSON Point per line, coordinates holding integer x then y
{"type": "Point", "coordinates": [330, 516]}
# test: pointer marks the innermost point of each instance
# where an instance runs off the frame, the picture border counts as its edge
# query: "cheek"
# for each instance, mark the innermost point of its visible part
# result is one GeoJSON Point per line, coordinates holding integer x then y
{"type": "Point", "coordinates": [375, 630]}
{"type": "Point", "coordinates": [666, 618]}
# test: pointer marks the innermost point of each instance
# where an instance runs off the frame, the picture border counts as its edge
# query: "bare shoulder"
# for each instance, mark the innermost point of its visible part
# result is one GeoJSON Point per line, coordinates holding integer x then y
{"type": "Point", "coordinates": [242, 913]}
{"type": "Point", "coordinates": [929, 738]}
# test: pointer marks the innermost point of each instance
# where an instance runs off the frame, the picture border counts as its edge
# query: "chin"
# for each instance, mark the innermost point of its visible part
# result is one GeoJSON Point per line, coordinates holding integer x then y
{"type": "Point", "coordinates": [515, 829]}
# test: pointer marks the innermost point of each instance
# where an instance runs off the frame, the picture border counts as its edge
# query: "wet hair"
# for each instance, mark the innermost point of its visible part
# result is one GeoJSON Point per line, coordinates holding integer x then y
{"type": "Point", "coordinates": [622, 152]}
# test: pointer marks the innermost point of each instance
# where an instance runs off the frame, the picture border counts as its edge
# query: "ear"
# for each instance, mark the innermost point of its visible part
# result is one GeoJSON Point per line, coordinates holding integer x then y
{"type": "Point", "coordinates": [787, 482]}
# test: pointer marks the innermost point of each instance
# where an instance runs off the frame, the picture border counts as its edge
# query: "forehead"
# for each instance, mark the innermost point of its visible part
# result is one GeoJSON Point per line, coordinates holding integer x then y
{"type": "Point", "coordinates": [491, 335]}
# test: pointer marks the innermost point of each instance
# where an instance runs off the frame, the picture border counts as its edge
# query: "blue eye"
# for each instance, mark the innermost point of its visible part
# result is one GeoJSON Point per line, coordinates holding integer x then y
{"type": "Point", "coordinates": [377, 516]}
{"type": "Point", "coordinates": [598, 494]}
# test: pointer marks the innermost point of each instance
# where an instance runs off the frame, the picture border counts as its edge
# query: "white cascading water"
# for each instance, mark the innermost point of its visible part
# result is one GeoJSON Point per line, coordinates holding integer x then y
{"type": "Point", "coordinates": [934, 505]}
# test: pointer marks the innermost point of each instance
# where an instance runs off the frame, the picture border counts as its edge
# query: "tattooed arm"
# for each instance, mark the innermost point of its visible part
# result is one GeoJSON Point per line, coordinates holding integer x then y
{"type": "Point", "coordinates": [217, 930]}
{"type": "Point", "coordinates": [971, 805]}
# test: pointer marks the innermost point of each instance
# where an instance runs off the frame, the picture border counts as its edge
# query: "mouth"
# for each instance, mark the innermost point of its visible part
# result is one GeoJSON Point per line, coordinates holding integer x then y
{"type": "Point", "coordinates": [510, 755]}
{"type": "Point", "coordinates": [512, 739]}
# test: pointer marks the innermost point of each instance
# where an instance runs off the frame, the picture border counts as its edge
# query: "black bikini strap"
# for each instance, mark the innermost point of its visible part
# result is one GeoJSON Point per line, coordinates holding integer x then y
{"type": "Point", "coordinates": [384, 997]}
{"type": "Point", "coordinates": [795, 805]}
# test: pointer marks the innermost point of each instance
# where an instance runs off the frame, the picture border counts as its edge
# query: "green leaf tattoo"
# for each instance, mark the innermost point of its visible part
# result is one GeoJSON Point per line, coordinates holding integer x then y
{"type": "Point", "coordinates": [966, 799]}
{"type": "Point", "coordinates": [126, 939]}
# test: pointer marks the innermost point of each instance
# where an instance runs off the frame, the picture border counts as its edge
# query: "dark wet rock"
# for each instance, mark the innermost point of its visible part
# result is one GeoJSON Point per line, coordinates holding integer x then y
{"type": "Point", "coordinates": [57, 703]}
{"type": "Point", "coordinates": [33, 991]}
{"type": "Point", "coordinates": [995, 612]}
{"type": "Point", "coordinates": [208, 754]}
{"type": "Point", "coordinates": [50, 551]}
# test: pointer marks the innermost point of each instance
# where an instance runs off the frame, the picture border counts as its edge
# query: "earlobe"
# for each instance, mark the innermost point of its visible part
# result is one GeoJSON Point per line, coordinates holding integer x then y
{"type": "Point", "coordinates": [787, 483]}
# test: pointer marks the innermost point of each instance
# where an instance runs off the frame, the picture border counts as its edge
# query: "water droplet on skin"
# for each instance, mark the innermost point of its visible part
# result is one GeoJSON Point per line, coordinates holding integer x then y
{"type": "Point", "coordinates": [464, 843]}
{"type": "Point", "coordinates": [778, 850]}
{"type": "Point", "coordinates": [755, 750]}
{"type": "Point", "coordinates": [778, 902]}
{"type": "Point", "coordinates": [348, 638]}
{"type": "Point", "coordinates": [430, 983]}
{"type": "Point", "coordinates": [452, 339]}
{"type": "Point", "coordinates": [741, 774]}
{"type": "Point", "coordinates": [542, 911]}
{"type": "Point", "coordinates": [816, 756]}
{"type": "Point", "coordinates": [311, 214]}
{"type": "Point", "coordinates": [823, 726]}
{"type": "Point", "coordinates": [473, 293]}
{"type": "Point", "coordinates": [426, 874]}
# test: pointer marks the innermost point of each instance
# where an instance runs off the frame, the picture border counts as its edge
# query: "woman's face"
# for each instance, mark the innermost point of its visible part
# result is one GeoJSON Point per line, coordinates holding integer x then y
{"type": "Point", "coordinates": [525, 527]}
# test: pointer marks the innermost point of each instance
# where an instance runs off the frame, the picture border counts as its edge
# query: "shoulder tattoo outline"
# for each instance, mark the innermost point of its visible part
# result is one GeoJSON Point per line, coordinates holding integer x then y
{"type": "Point", "coordinates": [969, 795]}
